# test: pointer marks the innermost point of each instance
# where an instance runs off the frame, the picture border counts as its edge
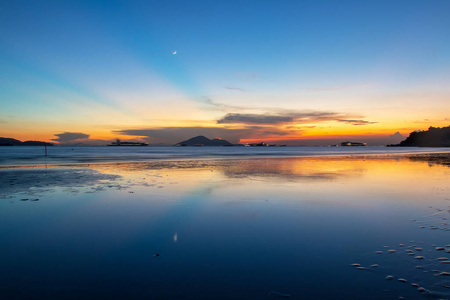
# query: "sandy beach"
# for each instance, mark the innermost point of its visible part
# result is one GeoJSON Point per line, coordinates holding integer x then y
{"type": "Point", "coordinates": [259, 228]}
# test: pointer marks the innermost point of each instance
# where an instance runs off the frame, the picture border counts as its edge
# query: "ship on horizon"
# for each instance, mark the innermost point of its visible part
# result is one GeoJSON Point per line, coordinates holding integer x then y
{"type": "Point", "coordinates": [353, 144]}
{"type": "Point", "coordinates": [119, 143]}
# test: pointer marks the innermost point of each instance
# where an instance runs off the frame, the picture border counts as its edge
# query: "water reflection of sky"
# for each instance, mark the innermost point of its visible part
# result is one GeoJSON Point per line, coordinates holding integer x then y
{"type": "Point", "coordinates": [233, 229]}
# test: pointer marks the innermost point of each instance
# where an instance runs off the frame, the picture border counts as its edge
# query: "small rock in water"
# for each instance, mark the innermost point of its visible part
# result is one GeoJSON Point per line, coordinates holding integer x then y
{"type": "Point", "coordinates": [402, 280]}
{"type": "Point", "coordinates": [444, 274]}
{"type": "Point", "coordinates": [419, 267]}
{"type": "Point", "coordinates": [446, 286]}
{"type": "Point", "coordinates": [385, 247]}
{"type": "Point", "coordinates": [25, 199]}
{"type": "Point", "coordinates": [445, 262]}
{"type": "Point", "coordinates": [374, 265]}
{"type": "Point", "coordinates": [440, 248]}
{"type": "Point", "coordinates": [414, 284]}
{"type": "Point", "coordinates": [360, 268]}
{"type": "Point", "coordinates": [447, 250]}
{"type": "Point", "coordinates": [378, 252]}
{"type": "Point", "coordinates": [421, 289]}
{"type": "Point", "coordinates": [442, 258]}
{"type": "Point", "coordinates": [411, 253]}
{"type": "Point", "coordinates": [389, 277]}
{"type": "Point", "coordinates": [391, 251]}
{"type": "Point", "coordinates": [355, 265]}
{"type": "Point", "coordinates": [419, 249]}
{"type": "Point", "coordinates": [401, 245]}
{"type": "Point", "coordinates": [34, 199]}
{"type": "Point", "coordinates": [421, 226]}
{"type": "Point", "coordinates": [155, 255]}
{"type": "Point", "coordinates": [419, 257]}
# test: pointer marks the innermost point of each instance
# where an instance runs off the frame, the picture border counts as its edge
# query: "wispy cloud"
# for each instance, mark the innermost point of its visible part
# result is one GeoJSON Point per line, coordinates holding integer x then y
{"type": "Point", "coordinates": [357, 122]}
{"type": "Point", "coordinates": [289, 117]}
{"type": "Point", "coordinates": [337, 89]}
{"type": "Point", "coordinates": [224, 107]}
{"type": "Point", "coordinates": [70, 136]}
{"type": "Point", "coordinates": [254, 119]}
{"type": "Point", "coordinates": [173, 135]}
{"type": "Point", "coordinates": [234, 89]}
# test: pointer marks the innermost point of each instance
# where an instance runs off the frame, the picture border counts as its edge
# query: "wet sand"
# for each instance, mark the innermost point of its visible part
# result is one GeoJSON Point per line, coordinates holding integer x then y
{"type": "Point", "coordinates": [349, 227]}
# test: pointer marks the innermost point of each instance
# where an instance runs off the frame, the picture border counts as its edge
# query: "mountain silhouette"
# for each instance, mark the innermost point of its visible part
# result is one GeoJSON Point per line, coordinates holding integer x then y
{"type": "Point", "coordinates": [204, 141]}
{"type": "Point", "coordinates": [14, 142]}
{"type": "Point", "coordinates": [433, 137]}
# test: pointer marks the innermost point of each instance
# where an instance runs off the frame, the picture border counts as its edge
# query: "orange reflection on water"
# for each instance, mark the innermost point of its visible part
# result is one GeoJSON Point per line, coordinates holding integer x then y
{"type": "Point", "coordinates": [338, 180]}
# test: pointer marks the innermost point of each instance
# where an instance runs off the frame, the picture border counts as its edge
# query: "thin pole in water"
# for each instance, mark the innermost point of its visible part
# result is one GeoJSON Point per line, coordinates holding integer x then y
{"type": "Point", "coordinates": [45, 145]}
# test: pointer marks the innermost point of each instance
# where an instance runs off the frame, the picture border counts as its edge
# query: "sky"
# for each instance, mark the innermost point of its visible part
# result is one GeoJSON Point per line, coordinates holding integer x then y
{"type": "Point", "coordinates": [290, 72]}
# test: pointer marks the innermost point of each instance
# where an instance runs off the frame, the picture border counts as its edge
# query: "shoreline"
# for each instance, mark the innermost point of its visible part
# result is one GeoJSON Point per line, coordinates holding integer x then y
{"type": "Point", "coordinates": [439, 157]}
{"type": "Point", "coordinates": [83, 156]}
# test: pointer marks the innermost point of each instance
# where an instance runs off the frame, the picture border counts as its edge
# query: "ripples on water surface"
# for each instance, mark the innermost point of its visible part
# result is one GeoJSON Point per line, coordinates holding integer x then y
{"type": "Point", "coordinates": [64, 155]}
{"type": "Point", "coordinates": [227, 229]}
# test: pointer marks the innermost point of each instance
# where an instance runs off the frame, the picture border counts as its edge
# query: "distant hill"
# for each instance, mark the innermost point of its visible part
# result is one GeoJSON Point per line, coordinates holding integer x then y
{"type": "Point", "coordinates": [14, 142]}
{"type": "Point", "coordinates": [204, 141]}
{"type": "Point", "coordinates": [433, 137]}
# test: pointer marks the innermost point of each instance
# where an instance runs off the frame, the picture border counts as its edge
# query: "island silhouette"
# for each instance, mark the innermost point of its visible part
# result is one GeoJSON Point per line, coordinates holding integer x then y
{"type": "Point", "coordinates": [13, 142]}
{"type": "Point", "coordinates": [204, 141]}
{"type": "Point", "coordinates": [433, 137]}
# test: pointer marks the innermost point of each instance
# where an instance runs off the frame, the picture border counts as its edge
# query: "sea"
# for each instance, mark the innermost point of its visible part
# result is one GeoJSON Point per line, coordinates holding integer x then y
{"type": "Point", "coordinates": [66, 155]}
{"type": "Point", "coordinates": [226, 223]}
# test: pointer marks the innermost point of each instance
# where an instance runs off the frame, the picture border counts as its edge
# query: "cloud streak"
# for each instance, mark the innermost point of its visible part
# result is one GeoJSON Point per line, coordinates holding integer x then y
{"type": "Point", "coordinates": [284, 117]}
{"type": "Point", "coordinates": [254, 119]}
{"type": "Point", "coordinates": [224, 107]}
{"type": "Point", "coordinates": [235, 88]}
{"type": "Point", "coordinates": [173, 135]}
{"type": "Point", "coordinates": [70, 136]}
{"type": "Point", "coordinates": [357, 122]}
{"type": "Point", "coordinates": [338, 89]}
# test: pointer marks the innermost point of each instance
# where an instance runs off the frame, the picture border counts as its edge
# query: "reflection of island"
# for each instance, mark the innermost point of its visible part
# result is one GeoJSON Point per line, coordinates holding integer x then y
{"type": "Point", "coordinates": [119, 143]}
{"type": "Point", "coordinates": [14, 142]}
{"type": "Point", "coordinates": [433, 137]}
{"type": "Point", "coordinates": [432, 159]}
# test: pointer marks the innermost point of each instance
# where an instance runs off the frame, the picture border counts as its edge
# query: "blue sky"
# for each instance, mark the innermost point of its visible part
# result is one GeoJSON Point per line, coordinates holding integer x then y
{"type": "Point", "coordinates": [369, 60]}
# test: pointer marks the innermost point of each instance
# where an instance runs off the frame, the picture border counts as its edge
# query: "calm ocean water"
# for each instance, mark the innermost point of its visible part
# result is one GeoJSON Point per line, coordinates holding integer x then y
{"type": "Point", "coordinates": [65, 155]}
{"type": "Point", "coordinates": [270, 227]}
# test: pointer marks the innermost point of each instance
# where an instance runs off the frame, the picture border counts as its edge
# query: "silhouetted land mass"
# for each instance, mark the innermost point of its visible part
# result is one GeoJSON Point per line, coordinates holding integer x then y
{"type": "Point", "coordinates": [14, 142]}
{"type": "Point", "coordinates": [433, 137]}
{"type": "Point", "coordinates": [204, 141]}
